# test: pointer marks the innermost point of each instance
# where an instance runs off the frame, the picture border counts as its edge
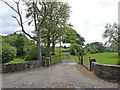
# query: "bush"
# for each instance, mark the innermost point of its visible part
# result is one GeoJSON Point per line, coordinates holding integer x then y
{"type": "Point", "coordinates": [8, 52]}
{"type": "Point", "coordinates": [72, 51]}
{"type": "Point", "coordinates": [76, 49]}
{"type": "Point", "coordinates": [32, 54]}
{"type": "Point", "coordinates": [44, 50]}
{"type": "Point", "coordinates": [21, 42]}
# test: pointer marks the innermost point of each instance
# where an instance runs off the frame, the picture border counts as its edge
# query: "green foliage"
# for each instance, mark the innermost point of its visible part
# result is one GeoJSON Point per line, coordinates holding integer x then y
{"type": "Point", "coordinates": [76, 49]}
{"type": "Point", "coordinates": [44, 50]}
{"type": "Point", "coordinates": [76, 59]}
{"type": "Point", "coordinates": [112, 33]}
{"type": "Point", "coordinates": [8, 52]}
{"type": "Point", "coordinates": [57, 58]}
{"type": "Point", "coordinates": [19, 41]}
{"type": "Point", "coordinates": [11, 39]}
{"type": "Point", "coordinates": [32, 54]}
{"type": "Point", "coordinates": [91, 49]}
{"type": "Point", "coordinates": [69, 35]}
{"type": "Point", "coordinates": [20, 46]}
{"type": "Point", "coordinates": [98, 47]}
{"type": "Point", "coordinates": [79, 39]}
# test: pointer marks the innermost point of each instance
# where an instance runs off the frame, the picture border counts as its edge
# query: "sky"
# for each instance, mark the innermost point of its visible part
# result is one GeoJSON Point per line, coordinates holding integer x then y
{"type": "Point", "coordinates": [88, 18]}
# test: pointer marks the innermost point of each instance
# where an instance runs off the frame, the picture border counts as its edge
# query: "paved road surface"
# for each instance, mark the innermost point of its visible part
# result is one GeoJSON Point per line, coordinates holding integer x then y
{"type": "Point", "coordinates": [62, 75]}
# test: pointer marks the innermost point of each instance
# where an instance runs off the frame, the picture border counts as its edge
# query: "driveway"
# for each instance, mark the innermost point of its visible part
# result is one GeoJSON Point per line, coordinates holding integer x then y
{"type": "Point", "coordinates": [67, 74]}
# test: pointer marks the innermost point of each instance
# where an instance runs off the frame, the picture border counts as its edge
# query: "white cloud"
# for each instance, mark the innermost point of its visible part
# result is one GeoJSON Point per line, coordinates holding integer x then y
{"type": "Point", "coordinates": [88, 17]}
{"type": "Point", "coordinates": [9, 24]}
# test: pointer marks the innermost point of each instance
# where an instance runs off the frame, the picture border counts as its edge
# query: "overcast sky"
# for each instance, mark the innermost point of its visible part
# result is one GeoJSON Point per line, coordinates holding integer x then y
{"type": "Point", "coordinates": [88, 17]}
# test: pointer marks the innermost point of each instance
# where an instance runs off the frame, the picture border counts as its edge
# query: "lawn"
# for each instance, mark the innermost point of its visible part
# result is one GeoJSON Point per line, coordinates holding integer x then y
{"type": "Point", "coordinates": [104, 58]}
{"type": "Point", "coordinates": [16, 60]}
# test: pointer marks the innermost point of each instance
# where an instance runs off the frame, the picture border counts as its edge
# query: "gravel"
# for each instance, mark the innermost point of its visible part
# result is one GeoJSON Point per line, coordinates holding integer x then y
{"type": "Point", "coordinates": [62, 75]}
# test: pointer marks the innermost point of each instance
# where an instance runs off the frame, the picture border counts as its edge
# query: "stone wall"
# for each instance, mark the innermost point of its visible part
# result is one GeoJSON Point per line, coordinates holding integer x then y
{"type": "Point", "coordinates": [109, 72]}
{"type": "Point", "coordinates": [21, 66]}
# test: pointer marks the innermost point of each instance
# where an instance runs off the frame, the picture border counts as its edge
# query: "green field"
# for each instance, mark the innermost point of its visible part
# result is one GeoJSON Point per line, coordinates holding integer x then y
{"type": "Point", "coordinates": [103, 58]}
{"type": "Point", "coordinates": [16, 60]}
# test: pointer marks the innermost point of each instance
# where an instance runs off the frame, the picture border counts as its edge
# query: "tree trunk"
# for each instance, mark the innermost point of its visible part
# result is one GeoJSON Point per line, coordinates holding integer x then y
{"type": "Point", "coordinates": [38, 46]}
{"type": "Point", "coordinates": [53, 48]}
{"type": "Point", "coordinates": [48, 45]}
{"type": "Point", "coordinates": [118, 44]}
{"type": "Point", "coordinates": [119, 33]}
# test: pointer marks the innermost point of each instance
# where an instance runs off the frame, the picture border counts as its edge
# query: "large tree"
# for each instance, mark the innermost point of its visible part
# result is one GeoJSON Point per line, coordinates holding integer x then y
{"type": "Point", "coordinates": [112, 32]}
{"type": "Point", "coordinates": [38, 11]}
{"type": "Point", "coordinates": [20, 41]}
{"type": "Point", "coordinates": [98, 46]}
{"type": "Point", "coordinates": [71, 36]}
{"type": "Point", "coordinates": [54, 23]}
{"type": "Point", "coordinates": [118, 44]}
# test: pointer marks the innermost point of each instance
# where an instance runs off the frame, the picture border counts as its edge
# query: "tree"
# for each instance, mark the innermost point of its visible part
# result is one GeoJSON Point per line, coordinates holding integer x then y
{"type": "Point", "coordinates": [71, 36]}
{"type": "Point", "coordinates": [38, 17]}
{"type": "Point", "coordinates": [90, 49]}
{"type": "Point", "coordinates": [19, 41]}
{"type": "Point", "coordinates": [118, 44]}
{"type": "Point", "coordinates": [112, 32]}
{"type": "Point", "coordinates": [54, 23]}
{"type": "Point", "coordinates": [38, 12]}
{"type": "Point", "coordinates": [80, 40]}
{"type": "Point", "coordinates": [8, 52]}
{"type": "Point", "coordinates": [98, 47]}
{"type": "Point", "coordinates": [76, 49]}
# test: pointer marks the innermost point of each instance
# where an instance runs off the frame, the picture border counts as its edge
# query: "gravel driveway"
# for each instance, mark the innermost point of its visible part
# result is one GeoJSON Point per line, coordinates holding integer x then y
{"type": "Point", "coordinates": [62, 75]}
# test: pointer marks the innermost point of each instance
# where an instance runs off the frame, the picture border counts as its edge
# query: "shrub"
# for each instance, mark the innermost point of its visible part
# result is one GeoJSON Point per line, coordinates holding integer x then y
{"type": "Point", "coordinates": [76, 49]}
{"type": "Point", "coordinates": [21, 42]}
{"type": "Point", "coordinates": [8, 52]}
{"type": "Point", "coordinates": [32, 54]}
{"type": "Point", "coordinates": [44, 50]}
{"type": "Point", "coordinates": [72, 51]}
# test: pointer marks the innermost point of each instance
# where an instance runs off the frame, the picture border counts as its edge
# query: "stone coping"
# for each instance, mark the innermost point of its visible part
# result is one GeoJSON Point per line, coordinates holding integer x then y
{"type": "Point", "coordinates": [110, 65]}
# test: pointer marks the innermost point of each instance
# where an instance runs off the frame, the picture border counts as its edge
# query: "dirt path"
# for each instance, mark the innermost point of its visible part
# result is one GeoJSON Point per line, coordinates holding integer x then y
{"type": "Point", "coordinates": [62, 75]}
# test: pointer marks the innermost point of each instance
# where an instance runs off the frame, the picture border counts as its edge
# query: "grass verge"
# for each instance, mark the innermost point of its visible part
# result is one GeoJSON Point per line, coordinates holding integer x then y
{"type": "Point", "coordinates": [68, 56]}
{"type": "Point", "coordinates": [16, 60]}
{"type": "Point", "coordinates": [57, 58]}
{"type": "Point", "coordinates": [76, 59]}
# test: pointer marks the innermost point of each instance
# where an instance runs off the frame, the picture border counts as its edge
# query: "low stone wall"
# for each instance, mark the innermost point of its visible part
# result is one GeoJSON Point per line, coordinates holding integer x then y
{"type": "Point", "coordinates": [109, 72]}
{"type": "Point", "coordinates": [21, 66]}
